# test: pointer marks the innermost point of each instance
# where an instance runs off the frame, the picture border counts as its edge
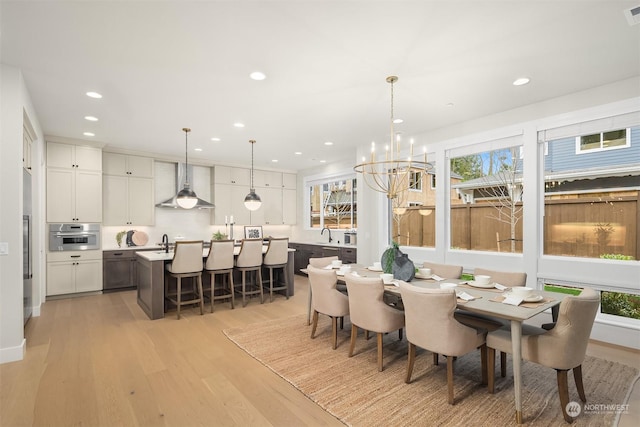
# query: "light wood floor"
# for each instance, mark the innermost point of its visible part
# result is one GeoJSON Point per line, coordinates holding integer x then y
{"type": "Point", "coordinates": [99, 361]}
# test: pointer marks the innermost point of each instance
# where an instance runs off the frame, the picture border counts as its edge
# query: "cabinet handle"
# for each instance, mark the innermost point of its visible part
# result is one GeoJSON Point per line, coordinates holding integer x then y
{"type": "Point", "coordinates": [75, 256]}
{"type": "Point", "coordinates": [118, 254]}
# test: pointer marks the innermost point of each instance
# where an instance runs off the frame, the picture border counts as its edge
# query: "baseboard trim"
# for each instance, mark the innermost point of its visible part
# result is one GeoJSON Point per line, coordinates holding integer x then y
{"type": "Point", "coordinates": [13, 354]}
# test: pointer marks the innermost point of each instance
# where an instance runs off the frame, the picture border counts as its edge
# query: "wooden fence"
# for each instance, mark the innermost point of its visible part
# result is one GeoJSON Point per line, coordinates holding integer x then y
{"type": "Point", "coordinates": [583, 227]}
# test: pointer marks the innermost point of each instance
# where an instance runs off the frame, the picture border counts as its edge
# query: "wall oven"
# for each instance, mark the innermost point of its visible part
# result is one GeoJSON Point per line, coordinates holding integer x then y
{"type": "Point", "coordinates": [74, 237]}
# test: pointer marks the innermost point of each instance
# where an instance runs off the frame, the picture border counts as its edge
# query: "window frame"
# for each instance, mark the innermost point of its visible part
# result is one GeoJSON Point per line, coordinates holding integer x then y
{"type": "Point", "coordinates": [321, 180]}
{"type": "Point", "coordinates": [580, 150]}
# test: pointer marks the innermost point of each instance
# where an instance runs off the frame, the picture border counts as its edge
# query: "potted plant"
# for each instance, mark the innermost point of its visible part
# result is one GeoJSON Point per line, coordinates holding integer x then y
{"type": "Point", "coordinates": [218, 236]}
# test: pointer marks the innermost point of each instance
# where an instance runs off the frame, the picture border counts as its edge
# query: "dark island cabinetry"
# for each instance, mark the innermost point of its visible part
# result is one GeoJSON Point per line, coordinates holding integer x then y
{"type": "Point", "coordinates": [304, 251]}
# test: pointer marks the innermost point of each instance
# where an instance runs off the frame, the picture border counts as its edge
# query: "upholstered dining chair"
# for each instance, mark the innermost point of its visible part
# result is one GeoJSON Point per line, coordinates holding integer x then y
{"type": "Point", "coordinates": [186, 263]}
{"type": "Point", "coordinates": [327, 299]}
{"type": "Point", "coordinates": [446, 271]}
{"type": "Point", "coordinates": [561, 348]}
{"type": "Point", "coordinates": [368, 311]}
{"type": "Point", "coordinates": [444, 334]}
{"type": "Point", "coordinates": [319, 262]}
{"type": "Point", "coordinates": [505, 278]}
{"type": "Point", "coordinates": [249, 260]}
{"type": "Point", "coordinates": [276, 259]}
{"type": "Point", "coordinates": [220, 262]}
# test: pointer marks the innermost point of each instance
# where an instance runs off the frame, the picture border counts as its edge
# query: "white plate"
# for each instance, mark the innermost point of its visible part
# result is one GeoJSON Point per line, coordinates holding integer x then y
{"type": "Point", "coordinates": [391, 283]}
{"type": "Point", "coordinates": [478, 285]}
{"type": "Point", "coordinates": [340, 273]}
{"type": "Point", "coordinates": [534, 298]}
{"type": "Point", "coordinates": [374, 269]}
{"type": "Point", "coordinates": [420, 276]}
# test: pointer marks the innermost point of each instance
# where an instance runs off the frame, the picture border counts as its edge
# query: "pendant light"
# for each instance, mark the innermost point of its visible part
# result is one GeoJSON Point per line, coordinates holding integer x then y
{"type": "Point", "coordinates": [252, 201]}
{"type": "Point", "coordinates": [186, 197]}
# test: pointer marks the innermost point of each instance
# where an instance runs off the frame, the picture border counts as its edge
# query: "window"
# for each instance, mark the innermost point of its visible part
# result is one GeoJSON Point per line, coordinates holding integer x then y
{"type": "Point", "coordinates": [611, 303]}
{"type": "Point", "coordinates": [415, 180]}
{"type": "Point", "coordinates": [591, 203]}
{"type": "Point", "coordinates": [433, 181]}
{"type": "Point", "coordinates": [602, 141]}
{"type": "Point", "coordinates": [333, 203]}
{"type": "Point", "coordinates": [486, 204]}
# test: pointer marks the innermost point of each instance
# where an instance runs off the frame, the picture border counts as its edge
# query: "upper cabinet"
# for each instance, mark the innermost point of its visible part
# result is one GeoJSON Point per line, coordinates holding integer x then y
{"type": "Point", "coordinates": [289, 180]}
{"type": "Point", "coordinates": [73, 157]}
{"type": "Point", "coordinates": [232, 176]}
{"type": "Point", "coordinates": [267, 179]}
{"type": "Point", "coordinates": [124, 165]}
{"type": "Point", "coordinates": [128, 190]}
{"type": "Point", "coordinates": [74, 183]}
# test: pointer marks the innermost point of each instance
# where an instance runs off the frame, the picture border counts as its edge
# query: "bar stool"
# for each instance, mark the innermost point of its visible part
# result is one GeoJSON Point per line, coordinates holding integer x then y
{"type": "Point", "coordinates": [276, 258]}
{"type": "Point", "coordinates": [220, 261]}
{"type": "Point", "coordinates": [187, 262]}
{"type": "Point", "coordinates": [250, 260]}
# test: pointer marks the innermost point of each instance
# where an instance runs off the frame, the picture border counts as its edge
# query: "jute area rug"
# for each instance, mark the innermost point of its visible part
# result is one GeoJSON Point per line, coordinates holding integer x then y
{"type": "Point", "coordinates": [357, 394]}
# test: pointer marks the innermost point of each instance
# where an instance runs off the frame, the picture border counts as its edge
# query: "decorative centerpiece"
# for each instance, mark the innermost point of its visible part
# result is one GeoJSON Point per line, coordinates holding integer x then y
{"type": "Point", "coordinates": [219, 236]}
{"type": "Point", "coordinates": [119, 237]}
{"type": "Point", "coordinates": [397, 263]}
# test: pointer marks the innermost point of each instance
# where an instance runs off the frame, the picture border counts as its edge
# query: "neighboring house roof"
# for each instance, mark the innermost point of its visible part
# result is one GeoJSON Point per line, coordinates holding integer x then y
{"type": "Point", "coordinates": [504, 177]}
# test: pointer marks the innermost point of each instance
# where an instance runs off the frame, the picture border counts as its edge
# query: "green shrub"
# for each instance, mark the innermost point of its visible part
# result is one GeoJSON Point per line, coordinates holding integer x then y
{"type": "Point", "coordinates": [620, 304]}
{"type": "Point", "coordinates": [617, 256]}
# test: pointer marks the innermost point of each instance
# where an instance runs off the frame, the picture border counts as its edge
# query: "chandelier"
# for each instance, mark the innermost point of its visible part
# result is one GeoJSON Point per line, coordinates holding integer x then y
{"type": "Point", "coordinates": [392, 175]}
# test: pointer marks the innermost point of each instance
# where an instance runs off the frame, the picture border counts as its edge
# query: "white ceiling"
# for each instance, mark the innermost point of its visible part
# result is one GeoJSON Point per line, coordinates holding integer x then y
{"type": "Point", "coordinates": [162, 66]}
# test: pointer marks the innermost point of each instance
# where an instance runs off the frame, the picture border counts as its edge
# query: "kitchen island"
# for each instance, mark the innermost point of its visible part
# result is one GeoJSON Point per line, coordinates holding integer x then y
{"type": "Point", "coordinates": [150, 278]}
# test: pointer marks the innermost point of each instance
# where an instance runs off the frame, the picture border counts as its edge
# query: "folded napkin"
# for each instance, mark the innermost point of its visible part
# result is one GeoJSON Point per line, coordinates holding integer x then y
{"type": "Point", "coordinates": [500, 287]}
{"type": "Point", "coordinates": [512, 300]}
{"type": "Point", "coordinates": [465, 296]}
{"type": "Point", "coordinates": [436, 277]}
{"type": "Point", "coordinates": [355, 273]}
{"type": "Point", "coordinates": [328, 267]}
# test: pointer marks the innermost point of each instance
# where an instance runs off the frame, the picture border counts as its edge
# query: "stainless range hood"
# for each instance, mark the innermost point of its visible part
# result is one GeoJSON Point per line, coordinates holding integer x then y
{"type": "Point", "coordinates": [181, 174]}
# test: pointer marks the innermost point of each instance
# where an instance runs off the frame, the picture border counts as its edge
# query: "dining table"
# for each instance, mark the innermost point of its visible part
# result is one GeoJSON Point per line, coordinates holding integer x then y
{"type": "Point", "coordinates": [487, 300]}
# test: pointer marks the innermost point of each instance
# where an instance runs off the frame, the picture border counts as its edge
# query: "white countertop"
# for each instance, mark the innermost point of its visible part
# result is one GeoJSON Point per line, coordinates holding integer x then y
{"type": "Point", "coordinates": [161, 255]}
{"type": "Point", "coordinates": [332, 244]}
{"type": "Point", "coordinates": [131, 248]}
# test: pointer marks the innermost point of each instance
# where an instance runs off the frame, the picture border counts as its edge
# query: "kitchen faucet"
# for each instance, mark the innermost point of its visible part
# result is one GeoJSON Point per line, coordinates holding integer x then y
{"type": "Point", "coordinates": [322, 232]}
{"type": "Point", "coordinates": [165, 242]}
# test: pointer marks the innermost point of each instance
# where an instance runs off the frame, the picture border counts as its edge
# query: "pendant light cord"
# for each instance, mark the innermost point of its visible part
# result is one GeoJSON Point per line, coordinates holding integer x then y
{"type": "Point", "coordinates": [252, 142]}
{"type": "Point", "coordinates": [186, 156]}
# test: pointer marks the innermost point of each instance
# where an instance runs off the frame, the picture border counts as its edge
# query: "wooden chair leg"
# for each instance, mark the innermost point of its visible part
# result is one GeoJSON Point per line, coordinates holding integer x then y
{"type": "Point", "coordinates": [577, 377]}
{"type": "Point", "coordinates": [435, 359]}
{"type": "Point", "coordinates": [379, 336]}
{"type": "Point", "coordinates": [411, 358]}
{"type": "Point", "coordinates": [270, 284]}
{"type": "Point", "coordinates": [400, 334]}
{"type": "Point", "coordinates": [179, 288]}
{"type": "Point", "coordinates": [213, 287]}
{"type": "Point", "coordinates": [483, 363]}
{"type": "Point", "coordinates": [366, 335]}
{"type": "Point", "coordinates": [314, 324]}
{"type": "Point", "coordinates": [342, 322]}
{"type": "Point", "coordinates": [491, 368]}
{"type": "Point", "coordinates": [352, 344]}
{"type": "Point", "coordinates": [232, 290]}
{"type": "Point", "coordinates": [503, 364]}
{"type": "Point", "coordinates": [201, 295]}
{"type": "Point", "coordinates": [334, 331]}
{"type": "Point", "coordinates": [244, 289]}
{"type": "Point", "coordinates": [563, 391]}
{"type": "Point", "coordinates": [260, 285]}
{"type": "Point", "coordinates": [450, 361]}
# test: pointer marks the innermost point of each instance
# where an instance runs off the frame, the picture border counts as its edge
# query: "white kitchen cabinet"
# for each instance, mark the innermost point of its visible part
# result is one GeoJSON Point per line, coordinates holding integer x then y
{"type": "Point", "coordinates": [128, 200]}
{"type": "Point", "coordinates": [74, 183]}
{"type": "Point", "coordinates": [229, 200]}
{"type": "Point", "coordinates": [125, 165]}
{"type": "Point", "coordinates": [73, 272]}
{"type": "Point", "coordinates": [74, 195]}
{"type": "Point", "coordinates": [289, 206]}
{"type": "Point", "coordinates": [73, 156]}
{"type": "Point", "coordinates": [231, 176]}
{"type": "Point", "coordinates": [270, 212]}
{"type": "Point", "coordinates": [267, 179]}
{"type": "Point", "coordinates": [289, 180]}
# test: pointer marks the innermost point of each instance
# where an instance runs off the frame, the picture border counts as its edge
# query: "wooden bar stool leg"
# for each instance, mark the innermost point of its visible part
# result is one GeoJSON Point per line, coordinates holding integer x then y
{"type": "Point", "coordinates": [179, 288]}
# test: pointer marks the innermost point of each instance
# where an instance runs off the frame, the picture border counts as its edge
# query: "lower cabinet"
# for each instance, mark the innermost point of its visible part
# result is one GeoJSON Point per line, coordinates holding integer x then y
{"type": "Point", "coordinates": [119, 269]}
{"type": "Point", "coordinates": [74, 272]}
{"type": "Point", "coordinates": [304, 251]}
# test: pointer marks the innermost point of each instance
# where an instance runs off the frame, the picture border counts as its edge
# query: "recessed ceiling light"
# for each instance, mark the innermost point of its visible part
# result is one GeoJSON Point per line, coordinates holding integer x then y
{"type": "Point", "coordinates": [298, 153]}
{"type": "Point", "coordinates": [258, 75]}
{"type": "Point", "coordinates": [197, 149]}
{"type": "Point", "coordinates": [89, 134]}
{"type": "Point", "coordinates": [450, 104]}
{"type": "Point", "coordinates": [238, 125]}
{"type": "Point", "coordinates": [214, 139]}
{"type": "Point", "coordinates": [398, 121]}
{"type": "Point", "coordinates": [323, 161]}
{"type": "Point", "coordinates": [275, 160]}
{"type": "Point", "coordinates": [328, 143]}
{"type": "Point", "coordinates": [95, 95]}
{"type": "Point", "coordinates": [91, 118]}
{"type": "Point", "coordinates": [521, 81]}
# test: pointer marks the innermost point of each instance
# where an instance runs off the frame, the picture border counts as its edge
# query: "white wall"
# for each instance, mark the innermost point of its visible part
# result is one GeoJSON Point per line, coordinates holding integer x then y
{"type": "Point", "coordinates": [15, 101]}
